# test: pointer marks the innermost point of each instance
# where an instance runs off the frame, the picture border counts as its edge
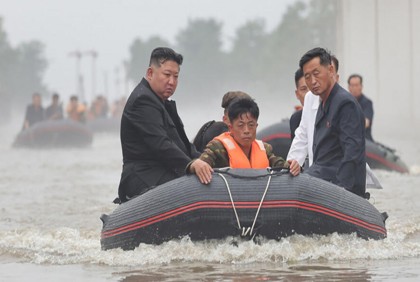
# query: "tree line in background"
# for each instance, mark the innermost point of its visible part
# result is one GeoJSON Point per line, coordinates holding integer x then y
{"type": "Point", "coordinates": [257, 61]}
{"type": "Point", "coordinates": [21, 72]}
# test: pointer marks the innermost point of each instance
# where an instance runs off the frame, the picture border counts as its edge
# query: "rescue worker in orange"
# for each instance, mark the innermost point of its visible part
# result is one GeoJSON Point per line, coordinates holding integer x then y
{"type": "Point", "coordinates": [239, 148]}
{"type": "Point", "coordinates": [75, 110]}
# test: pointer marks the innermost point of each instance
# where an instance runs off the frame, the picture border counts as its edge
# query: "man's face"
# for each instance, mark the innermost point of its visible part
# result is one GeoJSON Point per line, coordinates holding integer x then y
{"type": "Point", "coordinates": [74, 102]}
{"type": "Point", "coordinates": [244, 129]}
{"type": "Point", "coordinates": [301, 90]}
{"type": "Point", "coordinates": [164, 79]}
{"type": "Point", "coordinates": [36, 100]}
{"type": "Point", "coordinates": [318, 78]}
{"type": "Point", "coordinates": [355, 87]}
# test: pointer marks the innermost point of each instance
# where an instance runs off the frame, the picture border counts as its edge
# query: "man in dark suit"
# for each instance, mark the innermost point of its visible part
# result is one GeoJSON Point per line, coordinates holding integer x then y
{"type": "Point", "coordinates": [339, 137]}
{"type": "Point", "coordinates": [34, 112]}
{"type": "Point", "coordinates": [154, 144]}
{"type": "Point", "coordinates": [355, 83]}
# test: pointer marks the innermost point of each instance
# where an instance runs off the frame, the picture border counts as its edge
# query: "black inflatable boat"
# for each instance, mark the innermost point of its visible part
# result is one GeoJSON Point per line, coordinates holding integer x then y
{"type": "Point", "coordinates": [55, 133]}
{"type": "Point", "coordinates": [243, 203]}
{"type": "Point", "coordinates": [378, 156]}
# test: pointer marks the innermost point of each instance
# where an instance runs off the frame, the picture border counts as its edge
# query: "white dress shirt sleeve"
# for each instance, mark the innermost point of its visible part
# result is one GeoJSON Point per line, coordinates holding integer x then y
{"type": "Point", "coordinates": [299, 148]}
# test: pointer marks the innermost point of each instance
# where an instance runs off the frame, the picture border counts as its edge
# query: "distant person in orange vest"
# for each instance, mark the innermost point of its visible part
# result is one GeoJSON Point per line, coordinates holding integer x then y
{"type": "Point", "coordinates": [118, 107]}
{"type": "Point", "coordinates": [99, 108]}
{"type": "Point", "coordinates": [239, 148]}
{"type": "Point", "coordinates": [76, 111]}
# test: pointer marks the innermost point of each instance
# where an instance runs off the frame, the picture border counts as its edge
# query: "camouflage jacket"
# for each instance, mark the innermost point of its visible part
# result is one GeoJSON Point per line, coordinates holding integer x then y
{"type": "Point", "coordinates": [216, 156]}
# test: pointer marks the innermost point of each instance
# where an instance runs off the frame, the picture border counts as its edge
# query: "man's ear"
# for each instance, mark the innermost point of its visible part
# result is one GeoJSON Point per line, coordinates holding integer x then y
{"type": "Point", "coordinates": [149, 73]}
{"type": "Point", "coordinates": [229, 126]}
{"type": "Point", "coordinates": [331, 70]}
{"type": "Point", "coordinates": [225, 119]}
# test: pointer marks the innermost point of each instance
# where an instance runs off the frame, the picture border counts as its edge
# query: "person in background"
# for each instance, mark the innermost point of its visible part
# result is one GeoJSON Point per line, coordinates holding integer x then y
{"type": "Point", "coordinates": [76, 111]}
{"type": "Point", "coordinates": [339, 135]}
{"type": "Point", "coordinates": [239, 147]}
{"type": "Point", "coordinates": [99, 108]}
{"type": "Point", "coordinates": [34, 112]}
{"type": "Point", "coordinates": [214, 128]}
{"type": "Point", "coordinates": [300, 92]}
{"type": "Point", "coordinates": [355, 84]}
{"type": "Point", "coordinates": [55, 110]}
{"type": "Point", "coordinates": [154, 144]}
{"type": "Point", "coordinates": [118, 107]}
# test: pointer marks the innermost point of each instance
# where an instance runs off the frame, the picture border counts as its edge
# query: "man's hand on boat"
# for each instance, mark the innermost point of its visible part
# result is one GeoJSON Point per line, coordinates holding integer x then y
{"type": "Point", "coordinates": [294, 167]}
{"type": "Point", "coordinates": [202, 169]}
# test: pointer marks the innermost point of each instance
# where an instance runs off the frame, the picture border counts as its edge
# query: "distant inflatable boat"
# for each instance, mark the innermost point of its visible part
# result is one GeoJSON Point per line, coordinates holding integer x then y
{"type": "Point", "coordinates": [240, 203]}
{"type": "Point", "coordinates": [378, 156]}
{"type": "Point", "coordinates": [55, 133]}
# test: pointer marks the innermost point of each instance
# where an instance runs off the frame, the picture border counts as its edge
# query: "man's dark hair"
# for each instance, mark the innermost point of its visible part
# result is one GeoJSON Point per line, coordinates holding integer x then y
{"type": "Point", "coordinates": [298, 76]}
{"type": "Point", "coordinates": [323, 55]}
{"type": "Point", "coordinates": [242, 106]}
{"type": "Point", "coordinates": [334, 60]}
{"type": "Point", "coordinates": [355, 75]}
{"type": "Point", "coordinates": [232, 95]}
{"type": "Point", "coordinates": [162, 54]}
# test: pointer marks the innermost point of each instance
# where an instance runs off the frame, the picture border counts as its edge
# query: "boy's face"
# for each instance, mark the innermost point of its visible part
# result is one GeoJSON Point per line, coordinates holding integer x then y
{"type": "Point", "coordinates": [244, 129]}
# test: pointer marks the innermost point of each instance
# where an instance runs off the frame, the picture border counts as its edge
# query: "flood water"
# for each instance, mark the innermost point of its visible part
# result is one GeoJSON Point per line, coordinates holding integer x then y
{"type": "Point", "coordinates": [51, 201]}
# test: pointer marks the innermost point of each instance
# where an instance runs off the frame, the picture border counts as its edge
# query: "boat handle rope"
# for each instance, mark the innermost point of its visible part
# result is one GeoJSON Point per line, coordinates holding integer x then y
{"type": "Point", "coordinates": [231, 199]}
{"type": "Point", "coordinates": [246, 230]}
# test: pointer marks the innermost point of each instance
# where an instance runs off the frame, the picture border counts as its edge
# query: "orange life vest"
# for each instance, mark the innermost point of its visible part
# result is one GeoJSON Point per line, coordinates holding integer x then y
{"type": "Point", "coordinates": [237, 157]}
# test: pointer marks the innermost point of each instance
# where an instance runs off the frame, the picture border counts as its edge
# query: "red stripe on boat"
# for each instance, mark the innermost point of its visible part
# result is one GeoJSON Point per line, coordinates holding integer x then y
{"type": "Point", "coordinates": [386, 162]}
{"type": "Point", "coordinates": [243, 205]}
{"type": "Point", "coordinates": [277, 136]}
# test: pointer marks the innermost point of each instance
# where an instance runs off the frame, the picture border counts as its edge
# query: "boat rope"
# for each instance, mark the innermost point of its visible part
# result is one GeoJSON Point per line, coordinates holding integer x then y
{"type": "Point", "coordinates": [259, 207]}
{"type": "Point", "coordinates": [231, 199]}
{"type": "Point", "coordinates": [246, 230]}
{"type": "Point", "coordinates": [270, 171]}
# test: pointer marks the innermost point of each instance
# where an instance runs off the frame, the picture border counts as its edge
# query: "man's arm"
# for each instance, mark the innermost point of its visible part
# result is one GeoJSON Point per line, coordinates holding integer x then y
{"type": "Point", "coordinates": [148, 120]}
{"type": "Point", "coordinates": [279, 162]}
{"type": "Point", "coordinates": [368, 111]}
{"type": "Point", "coordinates": [352, 141]}
{"type": "Point", "coordinates": [214, 155]}
{"type": "Point", "coordinates": [299, 148]}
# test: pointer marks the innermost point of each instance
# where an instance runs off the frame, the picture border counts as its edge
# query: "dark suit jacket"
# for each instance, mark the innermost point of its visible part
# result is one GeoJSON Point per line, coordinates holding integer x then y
{"type": "Point", "coordinates": [367, 108]}
{"type": "Point", "coordinates": [339, 142]}
{"type": "Point", "coordinates": [294, 122]}
{"type": "Point", "coordinates": [154, 145]}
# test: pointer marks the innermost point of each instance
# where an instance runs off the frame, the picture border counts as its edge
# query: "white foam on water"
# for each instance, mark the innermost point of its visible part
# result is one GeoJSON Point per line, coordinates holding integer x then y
{"type": "Point", "coordinates": [70, 246]}
{"type": "Point", "coordinates": [415, 170]}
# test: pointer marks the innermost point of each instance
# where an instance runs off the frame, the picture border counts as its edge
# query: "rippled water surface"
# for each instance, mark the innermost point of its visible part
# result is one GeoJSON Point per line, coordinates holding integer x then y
{"type": "Point", "coordinates": [51, 201]}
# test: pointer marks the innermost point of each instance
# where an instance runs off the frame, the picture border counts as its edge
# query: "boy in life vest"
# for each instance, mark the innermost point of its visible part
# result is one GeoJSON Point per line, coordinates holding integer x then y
{"type": "Point", "coordinates": [239, 148]}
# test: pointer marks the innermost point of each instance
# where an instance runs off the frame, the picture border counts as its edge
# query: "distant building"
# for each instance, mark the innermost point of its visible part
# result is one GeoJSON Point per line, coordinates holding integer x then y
{"type": "Point", "coordinates": [380, 39]}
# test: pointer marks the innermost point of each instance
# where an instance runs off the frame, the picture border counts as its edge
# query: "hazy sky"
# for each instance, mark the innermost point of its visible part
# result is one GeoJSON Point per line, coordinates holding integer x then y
{"type": "Point", "coordinates": [110, 26]}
